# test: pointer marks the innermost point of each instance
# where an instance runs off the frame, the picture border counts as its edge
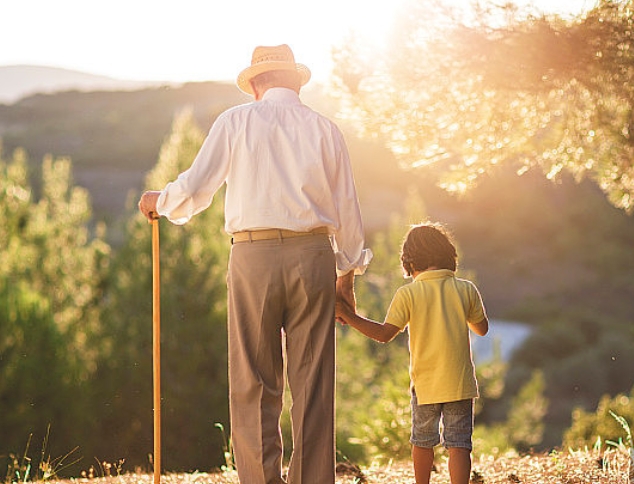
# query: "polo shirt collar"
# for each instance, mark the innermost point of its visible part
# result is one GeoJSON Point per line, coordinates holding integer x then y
{"type": "Point", "coordinates": [281, 95]}
{"type": "Point", "coordinates": [434, 274]}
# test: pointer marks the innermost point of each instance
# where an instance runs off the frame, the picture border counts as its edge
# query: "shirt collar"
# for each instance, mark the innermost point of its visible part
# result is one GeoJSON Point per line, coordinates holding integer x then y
{"type": "Point", "coordinates": [281, 95]}
{"type": "Point", "coordinates": [434, 274]}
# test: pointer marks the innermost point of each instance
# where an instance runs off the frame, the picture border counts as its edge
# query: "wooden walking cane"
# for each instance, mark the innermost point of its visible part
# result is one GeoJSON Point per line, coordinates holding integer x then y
{"type": "Point", "coordinates": [156, 347]}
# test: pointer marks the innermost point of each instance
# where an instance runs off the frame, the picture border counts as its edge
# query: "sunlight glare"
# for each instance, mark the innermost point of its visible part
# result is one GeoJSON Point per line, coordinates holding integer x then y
{"type": "Point", "coordinates": [372, 23]}
{"type": "Point", "coordinates": [191, 40]}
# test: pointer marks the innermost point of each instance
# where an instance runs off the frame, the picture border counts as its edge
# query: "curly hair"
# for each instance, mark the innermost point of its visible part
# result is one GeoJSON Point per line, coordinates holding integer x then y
{"type": "Point", "coordinates": [428, 245]}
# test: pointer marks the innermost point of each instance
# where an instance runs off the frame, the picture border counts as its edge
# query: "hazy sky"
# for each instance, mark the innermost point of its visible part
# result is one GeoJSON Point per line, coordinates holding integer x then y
{"type": "Point", "coordinates": [187, 39]}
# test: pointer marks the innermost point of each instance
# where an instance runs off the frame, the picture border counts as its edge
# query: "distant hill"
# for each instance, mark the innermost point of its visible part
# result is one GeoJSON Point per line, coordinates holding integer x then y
{"type": "Point", "coordinates": [19, 81]}
{"type": "Point", "coordinates": [112, 137]}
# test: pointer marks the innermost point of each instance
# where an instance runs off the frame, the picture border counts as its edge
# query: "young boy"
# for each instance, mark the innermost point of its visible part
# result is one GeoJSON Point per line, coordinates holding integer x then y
{"type": "Point", "coordinates": [439, 310]}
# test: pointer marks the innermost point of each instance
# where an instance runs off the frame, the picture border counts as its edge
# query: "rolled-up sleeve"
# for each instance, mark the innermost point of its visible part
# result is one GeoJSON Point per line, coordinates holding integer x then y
{"type": "Point", "coordinates": [349, 238]}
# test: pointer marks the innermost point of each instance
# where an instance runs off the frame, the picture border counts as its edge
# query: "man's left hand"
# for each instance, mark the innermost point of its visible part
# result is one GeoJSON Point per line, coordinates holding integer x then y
{"type": "Point", "coordinates": [345, 290]}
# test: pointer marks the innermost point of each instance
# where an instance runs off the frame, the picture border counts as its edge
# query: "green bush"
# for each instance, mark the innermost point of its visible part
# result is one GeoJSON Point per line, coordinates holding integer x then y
{"type": "Point", "coordinates": [194, 387]}
{"type": "Point", "coordinates": [373, 403]}
{"type": "Point", "coordinates": [589, 427]}
{"type": "Point", "coordinates": [52, 273]}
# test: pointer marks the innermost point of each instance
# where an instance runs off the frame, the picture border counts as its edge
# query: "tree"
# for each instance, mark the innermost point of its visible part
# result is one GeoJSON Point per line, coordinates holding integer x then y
{"type": "Point", "coordinates": [590, 427]}
{"type": "Point", "coordinates": [525, 421]}
{"type": "Point", "coordinates": [373, 411]}
{"type": "Point", "coordinates": [193, 329]}
{"type": "Point", "coordinates": [581, 360]}
{"type": "Point", "coordinates": [523, 429]}
{"type": "Point", "coordinates": [464, 93]}
{"type": "Point", "coordinates": [52, 271]}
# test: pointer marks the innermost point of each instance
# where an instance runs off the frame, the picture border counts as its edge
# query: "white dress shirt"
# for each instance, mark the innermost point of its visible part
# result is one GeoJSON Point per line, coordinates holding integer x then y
{"type": "Point", "coordinates": [285, 166]}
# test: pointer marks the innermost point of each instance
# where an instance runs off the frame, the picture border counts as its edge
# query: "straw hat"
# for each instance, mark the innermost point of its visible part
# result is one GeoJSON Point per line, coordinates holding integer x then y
{"type": "Point", "coordinates": [266, 59]}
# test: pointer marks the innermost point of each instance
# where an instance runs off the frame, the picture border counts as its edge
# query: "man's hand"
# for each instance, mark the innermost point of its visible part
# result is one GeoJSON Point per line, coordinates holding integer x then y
{"type": "Point", "coordinates": [345, 290]}
{"type": "Point", "coordinates": [147, 204]}
{"type": "Point", "coordinates": [343, 312]}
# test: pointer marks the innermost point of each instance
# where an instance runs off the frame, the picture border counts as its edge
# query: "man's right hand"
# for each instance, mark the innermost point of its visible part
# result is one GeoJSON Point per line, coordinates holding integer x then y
{"type": "Point", "coordinates": [147, 204]}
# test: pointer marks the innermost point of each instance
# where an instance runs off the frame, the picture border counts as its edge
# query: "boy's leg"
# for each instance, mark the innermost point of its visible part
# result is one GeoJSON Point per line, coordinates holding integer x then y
{"type": "Point", "coordinates": [425, 435]}
{"type": "Point", "coordinates": [423, 463]}
{"type": "Point", "coordinates": [458, 428]}
{"type": "Point", "coordinates": [459, 465]}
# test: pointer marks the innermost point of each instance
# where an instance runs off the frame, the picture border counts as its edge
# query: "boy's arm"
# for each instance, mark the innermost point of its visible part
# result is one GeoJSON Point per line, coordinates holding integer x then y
{"type": "Point", "coordinates": [381, 332]}
{"type": "Point", "coordinates": [480, 328]}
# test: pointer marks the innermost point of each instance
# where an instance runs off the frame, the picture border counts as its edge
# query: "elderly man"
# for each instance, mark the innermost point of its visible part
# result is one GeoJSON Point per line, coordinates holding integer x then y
{"type": "Point", "coordinates": [292, 211]}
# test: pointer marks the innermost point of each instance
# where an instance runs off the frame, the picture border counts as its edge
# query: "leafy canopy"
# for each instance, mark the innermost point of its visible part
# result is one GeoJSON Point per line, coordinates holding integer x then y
{"type": "Point", "coordinates": [462, 92]}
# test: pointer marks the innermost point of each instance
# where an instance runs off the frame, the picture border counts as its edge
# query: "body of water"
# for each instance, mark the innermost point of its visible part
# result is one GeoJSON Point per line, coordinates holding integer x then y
{"type": "Point", "coordinates": [505, 335]}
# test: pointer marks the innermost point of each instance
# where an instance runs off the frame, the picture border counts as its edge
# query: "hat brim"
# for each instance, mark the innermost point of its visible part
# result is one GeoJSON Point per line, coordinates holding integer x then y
{"type": "Point", "coordinates": [244, 78]}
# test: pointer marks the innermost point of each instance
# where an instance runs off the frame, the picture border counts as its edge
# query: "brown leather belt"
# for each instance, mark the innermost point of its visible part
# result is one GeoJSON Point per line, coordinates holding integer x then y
{"type": "Point", "coordinates": [268, 234]}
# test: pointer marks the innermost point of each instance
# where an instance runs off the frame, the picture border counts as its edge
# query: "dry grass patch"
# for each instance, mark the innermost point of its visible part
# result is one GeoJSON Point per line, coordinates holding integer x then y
{"type": "Point", "coordinates": [582, 467]}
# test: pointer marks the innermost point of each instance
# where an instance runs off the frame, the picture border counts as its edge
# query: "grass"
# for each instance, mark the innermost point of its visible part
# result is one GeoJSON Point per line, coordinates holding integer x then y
{"type": "Point", "coordinates": [22, 469]}
{"type": "Point", "coordinates": [599, 465]}
{"type": "Point", "coordinates": [571, 467]}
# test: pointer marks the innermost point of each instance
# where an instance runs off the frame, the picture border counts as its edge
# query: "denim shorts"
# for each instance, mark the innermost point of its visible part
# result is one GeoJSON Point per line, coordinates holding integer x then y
{"type": "Point", "coordinates": [457, 424]}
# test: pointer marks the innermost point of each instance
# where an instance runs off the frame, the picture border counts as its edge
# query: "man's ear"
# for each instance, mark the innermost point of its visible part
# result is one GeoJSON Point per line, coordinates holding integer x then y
{"type": "Point", "coordinates": [256, 92]}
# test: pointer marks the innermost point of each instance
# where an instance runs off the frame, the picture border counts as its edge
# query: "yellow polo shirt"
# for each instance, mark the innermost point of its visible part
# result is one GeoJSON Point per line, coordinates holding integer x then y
{"type": "Point", "coordinates": [436, 307]}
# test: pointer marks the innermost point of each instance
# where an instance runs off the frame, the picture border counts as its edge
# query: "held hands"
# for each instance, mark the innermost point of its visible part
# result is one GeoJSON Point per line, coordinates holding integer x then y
{"type": "Point", "coordinates": [345, 289]}
{"type": "Point", "coordinates": [345, 305]}
{"type": "Point", "coordinates": [343, 312]}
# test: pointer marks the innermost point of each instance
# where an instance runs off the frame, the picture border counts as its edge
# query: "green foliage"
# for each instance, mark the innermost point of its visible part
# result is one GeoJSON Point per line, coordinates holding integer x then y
{"type": "Point", "coordinates": [193, 328]}
{"type": "Point", "coordinates": [23, 468]}
{"type": "Point", "coordinates": [525, 421]}
{"type": "Point", "coordinates": [372, 398]}
{"type": "Point", "coordinates": [501, 86]}
{"type": "Point", "coordinates": [543, 251]}
{"type": "Point", "coordinates": [523, 428]}
{"type": "Point", "coordinates": [52, 273]}
{"type": "Point", "coordinates": [491, 374]}
{"type": "Point", "coordinates": [227, 450]}
{"type": "Point", "coordinates": [581, 361]}
{"type": "Point", "coordinates": [72, 309]}
{"type": "Point", "coordinates": [589, 426]}
{"type": "Point", "coordinates": [626, 428]}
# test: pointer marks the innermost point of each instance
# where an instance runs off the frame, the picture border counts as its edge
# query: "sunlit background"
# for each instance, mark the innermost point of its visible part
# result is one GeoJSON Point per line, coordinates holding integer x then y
{"type": "Point", "coordinates": [192, 40]}
{"type": "Point", "coordinates": [519, 138]}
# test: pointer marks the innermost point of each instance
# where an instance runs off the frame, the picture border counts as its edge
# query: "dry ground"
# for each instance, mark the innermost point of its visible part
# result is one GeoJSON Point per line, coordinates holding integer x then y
{"type": "Point", "coordinates": [583, 467]}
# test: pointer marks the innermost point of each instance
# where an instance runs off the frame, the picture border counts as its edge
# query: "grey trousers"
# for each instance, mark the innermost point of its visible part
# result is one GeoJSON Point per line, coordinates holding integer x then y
{"type": "Point", "coordinates": [280, 286]}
